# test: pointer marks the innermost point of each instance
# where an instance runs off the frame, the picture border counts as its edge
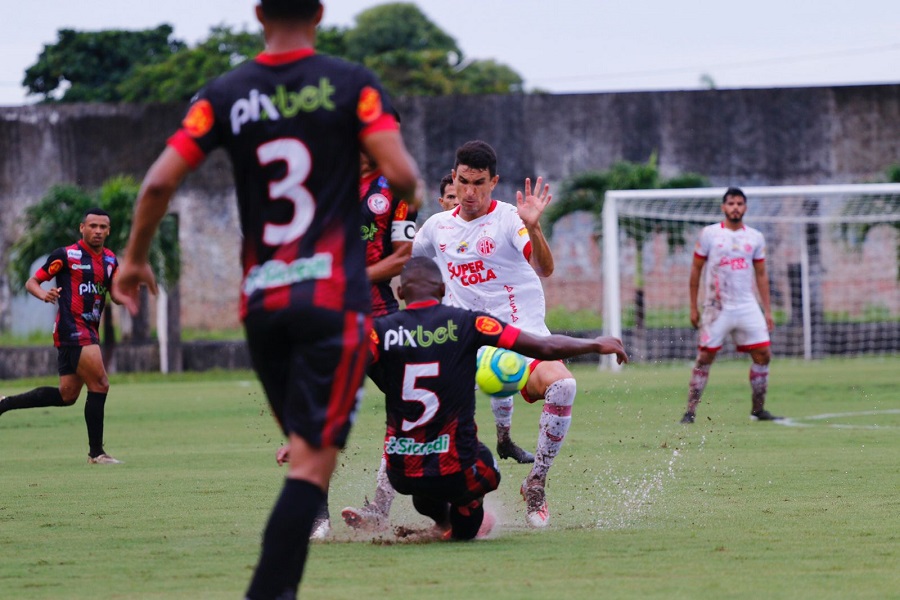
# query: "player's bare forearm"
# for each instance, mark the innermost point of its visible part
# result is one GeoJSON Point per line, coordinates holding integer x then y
{"type": "Point", "coordinates": [391, 265]}
{"type": "Point", "coordinates": [156, 192]}
{"type": "Point", "coordinates": [389, 153]}
{"type": "Point", "coordinates": [541, 256]}
{"type": "Point", "coordinates": [33, 287]}
{"type": "Point", "coordinates": [556, 346]}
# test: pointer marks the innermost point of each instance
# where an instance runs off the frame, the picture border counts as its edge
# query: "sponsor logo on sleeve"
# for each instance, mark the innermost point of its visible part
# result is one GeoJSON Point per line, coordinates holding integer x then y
{"type": "Point", "coordinates": [522, 232]}
{"type": "Point", "coordinates": [488, 325]}
{"type": "Point", "coordinates": [401, 212]}
{"type": "Point", "coordinates": [369, 107]}
{"type": "Point", "coordinates": [54, 267]}
{"type": "Point", "coordinates": [199, 120]}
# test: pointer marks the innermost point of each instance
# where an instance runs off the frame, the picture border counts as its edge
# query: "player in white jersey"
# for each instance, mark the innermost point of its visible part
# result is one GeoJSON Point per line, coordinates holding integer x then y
{"type": "Point", "coordinates": [492, 255]}
{"type": "Point", "coordinates": [734, 256]}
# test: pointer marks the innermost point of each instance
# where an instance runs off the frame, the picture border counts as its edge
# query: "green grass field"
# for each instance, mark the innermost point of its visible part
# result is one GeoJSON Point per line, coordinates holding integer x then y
{"type": "Point", "coordinates": [642, 507]}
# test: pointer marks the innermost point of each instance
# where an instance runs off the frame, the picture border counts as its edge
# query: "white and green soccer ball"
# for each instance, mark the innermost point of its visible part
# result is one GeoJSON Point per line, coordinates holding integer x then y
{"type": "Point", "coordinates": [500, 372]}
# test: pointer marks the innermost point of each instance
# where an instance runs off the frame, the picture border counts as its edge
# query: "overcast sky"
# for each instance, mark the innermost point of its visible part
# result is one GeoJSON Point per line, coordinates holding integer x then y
{"type": "Point", "coordinates": [562, 46]}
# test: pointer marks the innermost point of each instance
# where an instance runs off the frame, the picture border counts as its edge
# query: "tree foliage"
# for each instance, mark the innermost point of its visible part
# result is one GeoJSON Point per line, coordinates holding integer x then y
{"type": "Point", "coordinates": [88, 66]}
{"type": "Point", "coordinates": [53, 222]}
{"type": "Point", "coordinates": [410, 54]}
{"type": "Point", "coordinates": [178, 77]}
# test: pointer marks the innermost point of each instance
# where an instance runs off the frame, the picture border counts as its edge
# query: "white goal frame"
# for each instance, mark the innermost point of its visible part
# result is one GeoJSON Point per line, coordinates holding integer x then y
{"type": "Point", "coordinates": [614, 206]}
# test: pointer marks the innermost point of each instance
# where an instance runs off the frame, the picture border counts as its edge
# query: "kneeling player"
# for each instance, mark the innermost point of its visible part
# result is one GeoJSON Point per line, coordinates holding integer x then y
{"type": "Point", "coordinates": [431, 446]}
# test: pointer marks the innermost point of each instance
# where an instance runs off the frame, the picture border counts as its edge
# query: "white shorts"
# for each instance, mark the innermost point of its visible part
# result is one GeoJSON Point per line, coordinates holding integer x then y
{"type": "Point", "coordinates": [746, 324]}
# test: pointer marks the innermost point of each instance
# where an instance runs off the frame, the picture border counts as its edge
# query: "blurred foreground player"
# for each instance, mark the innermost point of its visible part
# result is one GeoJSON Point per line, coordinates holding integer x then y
{"type": "Point", "coordinates": [293, 123]}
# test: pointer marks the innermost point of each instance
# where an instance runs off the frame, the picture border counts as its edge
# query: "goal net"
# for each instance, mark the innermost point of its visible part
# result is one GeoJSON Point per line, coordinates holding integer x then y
{"type": "Point", "coordinates": [832, 259]}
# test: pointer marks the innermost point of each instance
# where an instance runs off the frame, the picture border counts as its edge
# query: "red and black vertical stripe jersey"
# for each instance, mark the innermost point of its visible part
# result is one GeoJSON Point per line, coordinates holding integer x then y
{"type": "Point", "coordinates": [85, 277]}
{"type": "Point", "coordinates": [424, 361]}
{"type": "Point", "coordinates": [386, 219]}
{"type": "Point", "coordinates": [292, 124]}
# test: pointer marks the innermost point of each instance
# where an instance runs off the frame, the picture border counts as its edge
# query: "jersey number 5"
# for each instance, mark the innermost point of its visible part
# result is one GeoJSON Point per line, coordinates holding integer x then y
{"type": "Point", "coordinates": [299, 163]}
{"type": "Point", "coordinates": [411, 393]}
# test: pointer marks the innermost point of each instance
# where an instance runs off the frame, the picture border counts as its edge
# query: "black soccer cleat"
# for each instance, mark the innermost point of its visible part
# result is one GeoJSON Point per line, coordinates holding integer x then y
{"type": "Point", "coordinates": [763, 415]}
{"type": "Point", "coordinates": [688, 418]}
{"type": "Point", "coordinates": [509, 449]}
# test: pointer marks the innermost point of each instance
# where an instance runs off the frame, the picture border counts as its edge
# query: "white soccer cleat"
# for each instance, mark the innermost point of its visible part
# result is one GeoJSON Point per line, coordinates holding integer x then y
{"type": "Point", "coordinates": [103, 459]}
{"type": "Point", "coordinates": [320, 530]}
{"type": "Point", "coordinates": [537, 513]}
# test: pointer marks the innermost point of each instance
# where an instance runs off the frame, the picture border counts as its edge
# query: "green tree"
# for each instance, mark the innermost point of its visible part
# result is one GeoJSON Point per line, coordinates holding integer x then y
{"type": "Point", "coordinates": [396, 26]}
{"type": "Point", "coordinates": [413, 57]}
{"type": "Point", "coordinates": [179, 76]}
{"type": "Point", "coordinates": [486, 77]}
{"type": "Point", "coordinates": [88, 66]}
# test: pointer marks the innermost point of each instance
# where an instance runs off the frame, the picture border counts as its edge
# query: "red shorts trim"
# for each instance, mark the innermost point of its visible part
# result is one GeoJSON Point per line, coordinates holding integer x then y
{"type": "Point", "coordinates": [750, 347]}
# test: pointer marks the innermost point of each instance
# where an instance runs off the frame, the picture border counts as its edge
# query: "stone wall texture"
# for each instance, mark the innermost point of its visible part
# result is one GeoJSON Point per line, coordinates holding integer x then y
{"type": "Point", "coordinates": [733, 137]}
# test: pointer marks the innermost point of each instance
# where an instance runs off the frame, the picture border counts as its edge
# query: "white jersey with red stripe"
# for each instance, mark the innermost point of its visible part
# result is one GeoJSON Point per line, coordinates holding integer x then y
{"type": "Point", "coordinates": [485, 264]}
{"type": "Point", "coordinates": [729, 275]}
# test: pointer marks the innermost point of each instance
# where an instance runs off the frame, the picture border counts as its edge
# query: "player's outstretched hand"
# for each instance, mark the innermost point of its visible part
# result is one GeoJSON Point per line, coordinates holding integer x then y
{"type": "Point", "coordinates": [532, 205]}
{"type": "Point", "coordinates": [127, 282]}
{"type": "Point", "coordinates": [612, 345]}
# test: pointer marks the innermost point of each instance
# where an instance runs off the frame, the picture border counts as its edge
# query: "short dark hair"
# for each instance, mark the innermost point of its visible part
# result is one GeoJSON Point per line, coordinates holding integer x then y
{"type": "Point", "coordinates": [94, 211]}
{"type": "Point", "coordinates": [445, 181]}
{"type": "Point", "coordinates": [477, 155]}
{"type": "Point", "coordinates": [733, 191]}
{"type": "Point", "coordinates": [290, 9]}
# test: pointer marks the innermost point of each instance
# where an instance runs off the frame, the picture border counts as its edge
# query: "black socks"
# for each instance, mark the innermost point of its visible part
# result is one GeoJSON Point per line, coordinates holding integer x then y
{"type": "Point", "coordinates": [36, 398]}
{"type": "Point", "coordinates": [286, 541]}
{"type": "Point", "coordinates": [93, 418]}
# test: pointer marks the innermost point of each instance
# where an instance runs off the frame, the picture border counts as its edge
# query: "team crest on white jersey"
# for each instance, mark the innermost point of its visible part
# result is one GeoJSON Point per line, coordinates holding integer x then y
{"type": "Point", "coordinates": [485, 246]}
{"type": "Point", "coordinates": [378, 204]}
{"type": "Point", "coordinates": [463, 247]}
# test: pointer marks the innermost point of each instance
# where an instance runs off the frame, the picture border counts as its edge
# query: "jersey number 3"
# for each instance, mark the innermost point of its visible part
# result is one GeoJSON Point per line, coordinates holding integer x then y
{"type": "Point", "coordinates": [299, 164]}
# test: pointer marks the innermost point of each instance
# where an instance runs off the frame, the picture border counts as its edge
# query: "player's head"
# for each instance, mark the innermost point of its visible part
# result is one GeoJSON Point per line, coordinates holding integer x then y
{"type": "Point", "coordinates": [271, 12]}
{"type": "Point", "coordinates": [734, 205]}
{"type": "Point", "coordinates": [420, 280]}
{"type": "Point", "coordinates": [94, 227]}
{"type": "Point", "coordinates": [477, 155]}
{"type": "Point", "coordinates": [448, 199]}
{"type": "Point", "coordinates": [475, 177]}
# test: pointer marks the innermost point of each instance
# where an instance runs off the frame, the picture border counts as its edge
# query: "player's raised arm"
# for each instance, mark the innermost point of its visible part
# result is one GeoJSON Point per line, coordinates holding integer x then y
{"type": "Point", "coordinates": [531, 206]}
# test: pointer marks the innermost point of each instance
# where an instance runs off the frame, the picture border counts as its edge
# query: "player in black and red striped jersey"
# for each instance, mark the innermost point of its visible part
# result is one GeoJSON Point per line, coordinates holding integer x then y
{"type": "Point", "coordinates": [293, 124]}
{"type": "Point", "coordinates": [424, 362]}
{"type": "Point", "coordinates": [388, 228]}
{"type": "Point", "coordinates": [84, 274]}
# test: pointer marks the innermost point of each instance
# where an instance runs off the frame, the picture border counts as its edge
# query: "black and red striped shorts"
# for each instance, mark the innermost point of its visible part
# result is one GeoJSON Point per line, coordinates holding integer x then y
{"type": "Point", "coordinates": [311, 363]}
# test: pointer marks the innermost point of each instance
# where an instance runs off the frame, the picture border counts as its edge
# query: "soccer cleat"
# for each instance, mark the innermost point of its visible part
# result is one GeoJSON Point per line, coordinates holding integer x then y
{"type": "Point", "coordinates": [763, 415]}
{"type": "Point", "coordinates": [509, 449]}
{"type": "Point", "coordinates": [688, 418]}
{"type": "Point", "coordinates": [103, 459]}
{"type": "Point", "coordinates": [320, 529]}
{"type": "Point", "coordinates": [537, 513]}
{"type": "Point", "coordinates": [367, 518]}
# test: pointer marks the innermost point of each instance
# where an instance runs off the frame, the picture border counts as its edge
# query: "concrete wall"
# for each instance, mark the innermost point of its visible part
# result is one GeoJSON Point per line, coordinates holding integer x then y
{"type": "Point", "coordinates": [742, 137]}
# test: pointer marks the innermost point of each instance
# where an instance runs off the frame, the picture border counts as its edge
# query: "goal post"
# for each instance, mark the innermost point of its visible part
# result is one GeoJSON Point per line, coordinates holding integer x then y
{"type": "Point", "coordinates": [832, 257]}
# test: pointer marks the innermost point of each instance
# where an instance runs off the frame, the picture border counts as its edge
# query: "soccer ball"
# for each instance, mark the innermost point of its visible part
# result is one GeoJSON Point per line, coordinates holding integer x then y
{"type": "Point", "coordinates": [500, 372]}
